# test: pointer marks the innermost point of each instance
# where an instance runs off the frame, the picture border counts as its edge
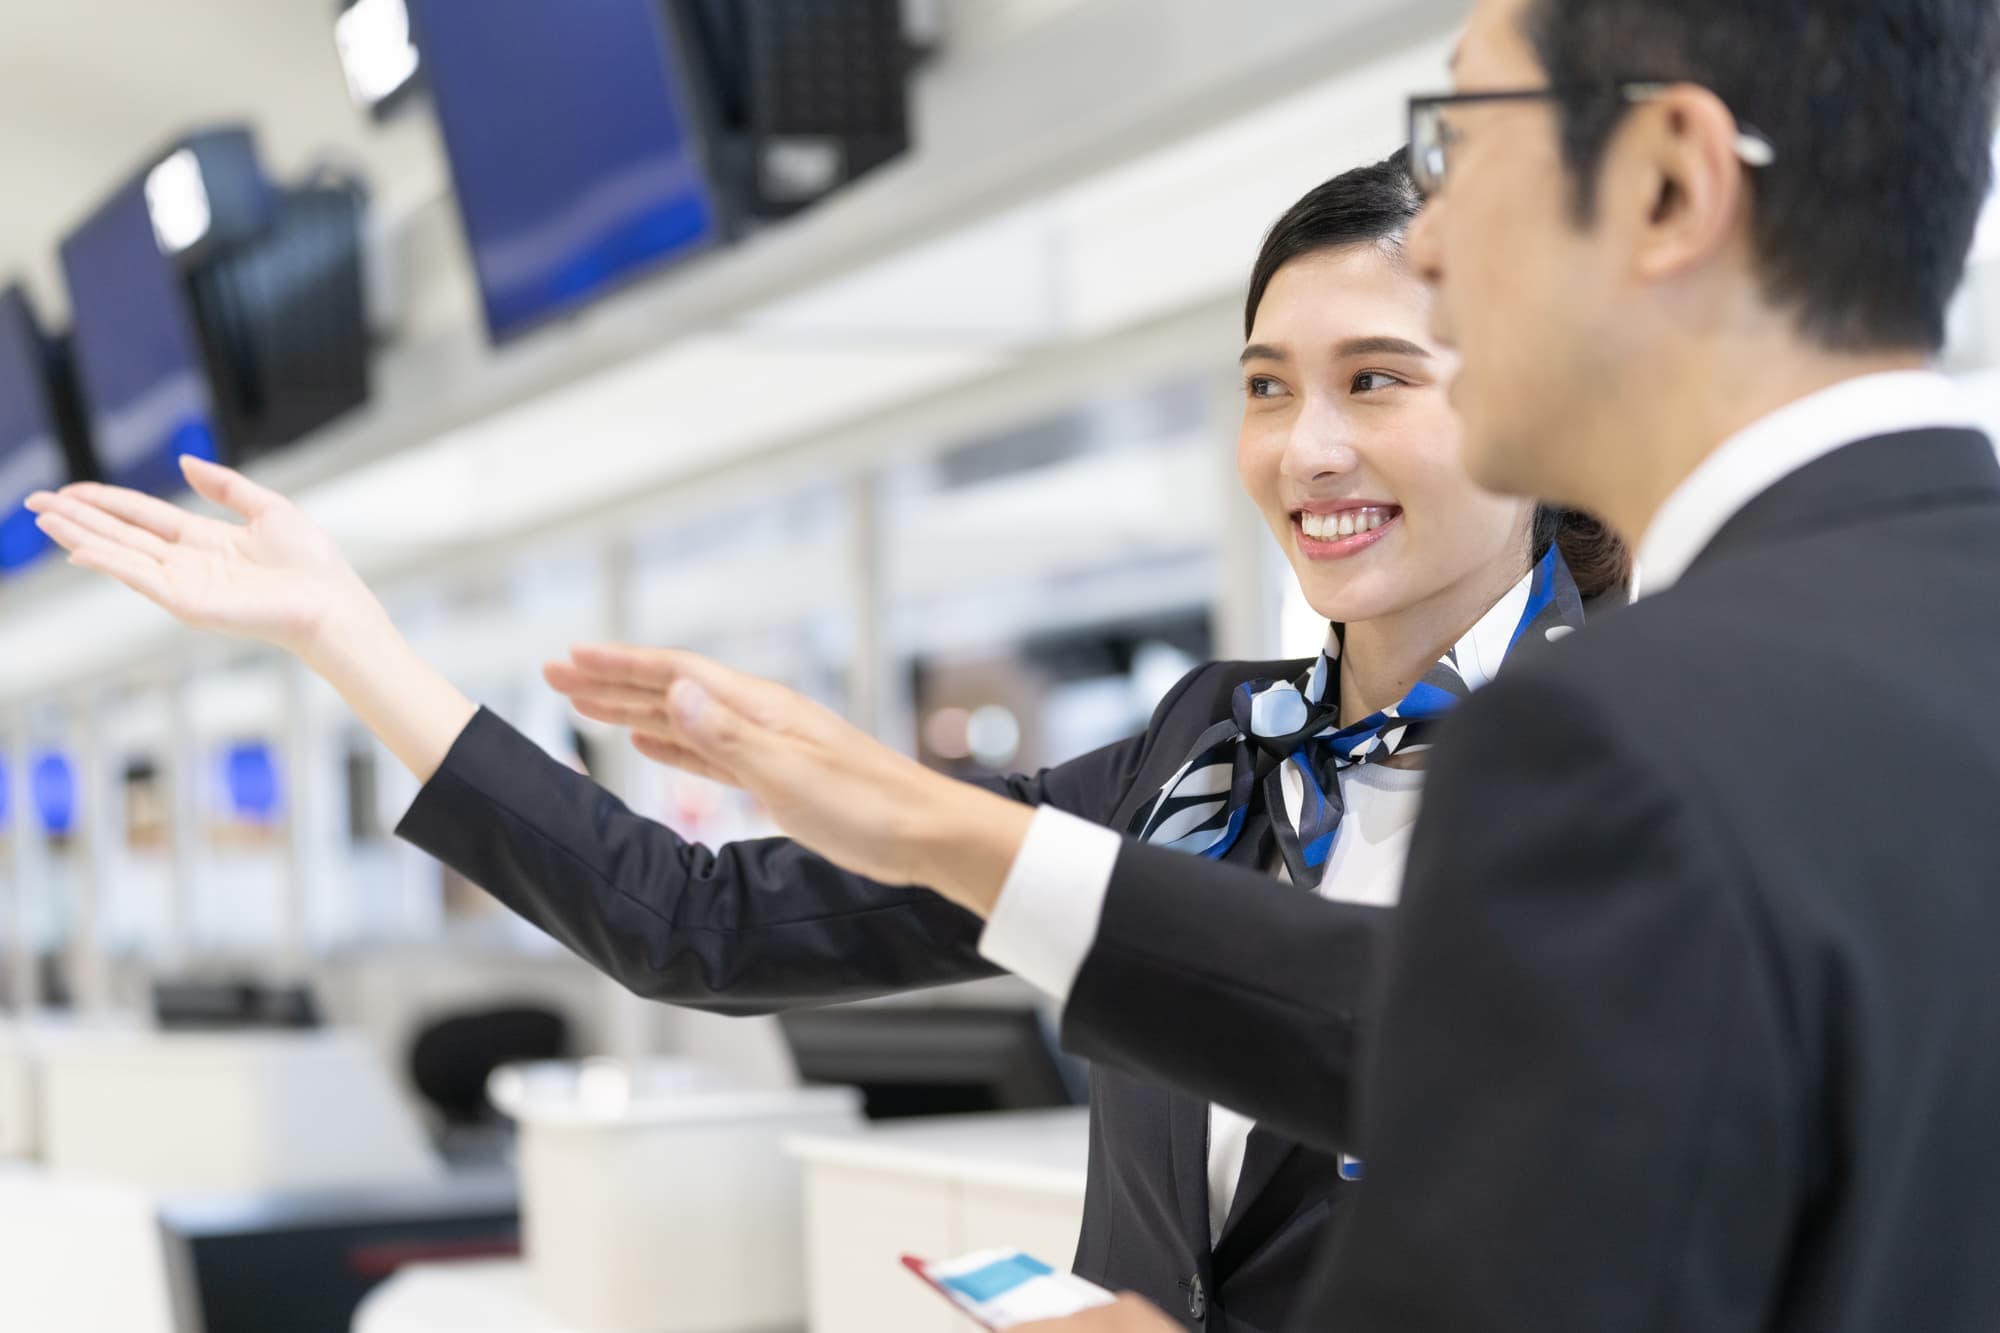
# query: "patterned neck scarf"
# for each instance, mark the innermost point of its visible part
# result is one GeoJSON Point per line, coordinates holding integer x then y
{"type": "Point", "coordinates": [1285, 739]}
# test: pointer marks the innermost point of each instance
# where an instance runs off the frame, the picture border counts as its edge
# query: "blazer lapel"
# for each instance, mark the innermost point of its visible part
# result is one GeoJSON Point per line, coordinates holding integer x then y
{"type": "Point", "coordinates": [1863, 481]}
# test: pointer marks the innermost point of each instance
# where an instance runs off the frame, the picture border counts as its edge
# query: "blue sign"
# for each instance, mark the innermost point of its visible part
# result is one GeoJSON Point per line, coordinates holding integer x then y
{"type": "Point", "coordinates": [251, 776]}
{"type": "Point", "coordinates": [54, 788]}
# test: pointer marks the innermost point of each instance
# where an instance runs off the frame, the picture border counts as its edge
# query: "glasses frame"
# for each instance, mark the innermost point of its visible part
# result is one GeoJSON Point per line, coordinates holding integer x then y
{"type": "Point", "coordinates": [1429, 141]}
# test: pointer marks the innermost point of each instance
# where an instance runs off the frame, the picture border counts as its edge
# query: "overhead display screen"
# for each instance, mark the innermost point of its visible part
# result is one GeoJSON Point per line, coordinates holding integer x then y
{"type": "Point", "coordinates": [139, 362]}
{"type": "Point", "coordinates": [577, 163]}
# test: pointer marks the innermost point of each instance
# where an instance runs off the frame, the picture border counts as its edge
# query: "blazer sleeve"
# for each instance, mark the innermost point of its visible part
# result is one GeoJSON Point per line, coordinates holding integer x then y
{"type": "Point", "coordinates": [1231, 985]}
{"type": "Point", "coordinates": [1579, 1111]}
{"type": "Point", "coordinates": [751, 927]}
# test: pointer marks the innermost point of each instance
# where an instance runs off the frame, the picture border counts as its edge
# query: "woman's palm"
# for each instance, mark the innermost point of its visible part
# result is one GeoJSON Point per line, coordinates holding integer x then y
{"type": "Point", "coordinates": [273, 577]}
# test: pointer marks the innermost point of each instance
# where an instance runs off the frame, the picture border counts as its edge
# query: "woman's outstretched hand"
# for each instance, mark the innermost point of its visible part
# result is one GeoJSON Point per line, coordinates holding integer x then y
{"type": "Point", "coordinates": [826, 782]}
{"type": "Point", "coordinates": [275, 576]}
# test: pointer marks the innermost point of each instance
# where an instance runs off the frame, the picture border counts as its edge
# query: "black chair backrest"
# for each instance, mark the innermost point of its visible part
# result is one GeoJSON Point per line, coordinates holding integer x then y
{"type": "Point", "coordinates": [451, 1058]}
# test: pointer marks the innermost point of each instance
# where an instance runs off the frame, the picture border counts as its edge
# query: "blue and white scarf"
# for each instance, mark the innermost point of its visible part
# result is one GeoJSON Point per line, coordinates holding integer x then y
{"type": "Point", "coordinates": [1286, 735]}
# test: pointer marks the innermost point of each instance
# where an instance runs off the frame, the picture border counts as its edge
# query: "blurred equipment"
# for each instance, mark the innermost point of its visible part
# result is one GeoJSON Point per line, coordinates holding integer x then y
{"type": "Point", "coordinates": [802, 96]}
{"type": "Point", "coordinates": [915, 1060]}
{"type": "Point", "coordinates": [303, 1263]}
{"type": "Point", "coordinates": [42, 443]}
{"type": "Point", "coordinates": [216, 314]}
{"type": "Point", "coordinates": [655, 1197]}
{"type": "Point", "coordinates": [181, 1005]}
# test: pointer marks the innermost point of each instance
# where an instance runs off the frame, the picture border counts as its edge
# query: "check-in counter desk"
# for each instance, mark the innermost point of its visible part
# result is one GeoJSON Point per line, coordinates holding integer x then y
{"type": "Point", "coordinates": [935, 1188]}
{"type": "Point", "coordinates": [655, 1199]}
{"type": "Point", "coordinates": [165, 1164]}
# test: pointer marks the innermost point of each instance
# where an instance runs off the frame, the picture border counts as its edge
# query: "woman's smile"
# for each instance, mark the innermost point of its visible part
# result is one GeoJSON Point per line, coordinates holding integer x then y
{"type": "Point", "coordinates": [1339, 533]}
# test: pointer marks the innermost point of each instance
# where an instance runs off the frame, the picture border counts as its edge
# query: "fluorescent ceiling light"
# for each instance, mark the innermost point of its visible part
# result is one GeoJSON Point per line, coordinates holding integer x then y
{"type": "Point", "coordinates": [376, 51]}
{"type": "Point", "coordinates": [177, 200]}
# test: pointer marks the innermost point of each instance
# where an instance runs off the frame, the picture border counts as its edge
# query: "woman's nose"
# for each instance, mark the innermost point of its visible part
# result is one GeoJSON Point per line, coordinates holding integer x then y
{"type": "Point", "coordinates": [1320, 445]}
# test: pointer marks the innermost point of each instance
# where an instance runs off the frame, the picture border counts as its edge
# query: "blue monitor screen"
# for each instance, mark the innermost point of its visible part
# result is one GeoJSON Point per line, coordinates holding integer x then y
{"type": "Point", "coordinates": [31, 453]}
{"type": "Point", "coordinates": [138, 358]}
{"type": "Point", "coordinates": [576, 162]}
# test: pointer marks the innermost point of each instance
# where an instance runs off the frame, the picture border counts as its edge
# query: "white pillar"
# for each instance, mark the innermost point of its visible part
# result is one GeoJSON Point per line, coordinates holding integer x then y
{"type": "Point", "coordinates": [100, 829]}
{"type": "Point", "coordinates": [877, 698]}
{"type": "Point", "coordinates": [1248, 586]}
{"type": "Point", "coordinates": [629, 1022]}
{"type": "Point", "coordinates": [30, 868]}
{"type": "Point", "coordinates": [300, 772]}
{"type": "Point", "coordinates": [185, 831]}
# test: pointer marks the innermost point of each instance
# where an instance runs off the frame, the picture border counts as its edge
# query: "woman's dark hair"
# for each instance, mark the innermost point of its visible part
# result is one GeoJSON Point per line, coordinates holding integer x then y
{"type": "Point", "coordinates": [1375, 205]}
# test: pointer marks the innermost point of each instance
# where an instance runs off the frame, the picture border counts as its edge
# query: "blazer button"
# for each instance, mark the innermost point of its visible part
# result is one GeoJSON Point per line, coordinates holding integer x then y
{"type": "Point", "coordinates": [1197, 1299]}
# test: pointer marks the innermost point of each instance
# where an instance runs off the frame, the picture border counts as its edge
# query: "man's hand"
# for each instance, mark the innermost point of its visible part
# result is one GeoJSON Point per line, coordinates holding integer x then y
{"type": "Point", "coordinates": [827, 783]}
{"type": "Point", "coordinates": [1128, 1314]}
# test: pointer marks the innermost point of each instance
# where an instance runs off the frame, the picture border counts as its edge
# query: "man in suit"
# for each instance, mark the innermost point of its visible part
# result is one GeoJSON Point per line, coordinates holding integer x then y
{"type": "Point", "coordinates": [1690, 1021]}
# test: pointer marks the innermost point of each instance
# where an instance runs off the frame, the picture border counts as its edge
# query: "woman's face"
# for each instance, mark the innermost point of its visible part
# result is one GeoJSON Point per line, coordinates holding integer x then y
{"type": "Point", "coordinates": [1351, 450]}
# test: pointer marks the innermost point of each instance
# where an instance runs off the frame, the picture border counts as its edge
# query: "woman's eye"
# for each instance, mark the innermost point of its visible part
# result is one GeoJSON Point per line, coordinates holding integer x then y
{"type": "Point", "coordinates": [1372, 381]}
{"type": "Point", "coordinates": [1262, 386]}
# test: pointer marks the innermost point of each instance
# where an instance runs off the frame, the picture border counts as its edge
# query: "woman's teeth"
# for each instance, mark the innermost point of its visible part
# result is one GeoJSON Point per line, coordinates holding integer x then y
{"type": "Point", "coordinates": [1347, 523]}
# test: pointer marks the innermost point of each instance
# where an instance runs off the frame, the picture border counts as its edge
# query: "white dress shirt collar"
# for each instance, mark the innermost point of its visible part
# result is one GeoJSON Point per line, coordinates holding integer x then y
{"type": "Point", "coordinates": [1767, 451]}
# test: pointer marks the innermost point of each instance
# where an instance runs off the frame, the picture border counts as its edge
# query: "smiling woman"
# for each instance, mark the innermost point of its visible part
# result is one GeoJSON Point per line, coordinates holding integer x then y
{"type": "Point", "coordinates": [1304, 771]}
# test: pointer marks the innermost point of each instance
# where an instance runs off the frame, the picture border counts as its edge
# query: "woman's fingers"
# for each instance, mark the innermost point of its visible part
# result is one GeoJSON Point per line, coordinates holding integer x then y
{"type": "Point", "coordinates": [99, 523]}
{"type": "Point", "coordinates": [144, 576]}
{"type": "Point", "coordinates": [169, 522]}
{"type": "Point", "coordinates": [228, 488]}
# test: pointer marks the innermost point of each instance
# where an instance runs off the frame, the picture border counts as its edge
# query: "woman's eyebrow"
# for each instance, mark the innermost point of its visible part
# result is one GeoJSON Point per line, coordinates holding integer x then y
{"type": "Point", "coordinates": [1380, 346]}
{"type": "Point", "coordinates": [1261, 352]}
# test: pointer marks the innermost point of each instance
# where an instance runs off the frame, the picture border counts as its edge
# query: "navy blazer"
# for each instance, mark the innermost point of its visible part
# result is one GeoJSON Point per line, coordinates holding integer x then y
{"type": "Point", "coordinates": [762, 925]}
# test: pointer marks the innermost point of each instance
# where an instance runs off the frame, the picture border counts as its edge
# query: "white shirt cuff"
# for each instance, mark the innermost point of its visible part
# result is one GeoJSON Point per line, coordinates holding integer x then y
{"type": "Point", "coordinates": [1046, 918]}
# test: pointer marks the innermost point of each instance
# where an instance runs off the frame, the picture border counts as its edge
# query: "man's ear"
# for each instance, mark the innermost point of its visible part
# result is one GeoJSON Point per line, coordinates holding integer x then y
{"type": "Point", "coordinates": [1674, 179]}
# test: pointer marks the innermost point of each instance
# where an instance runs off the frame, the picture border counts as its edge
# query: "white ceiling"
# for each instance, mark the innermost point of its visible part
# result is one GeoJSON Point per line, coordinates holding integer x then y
{"type": "Point", "coordinates": [89, 88]}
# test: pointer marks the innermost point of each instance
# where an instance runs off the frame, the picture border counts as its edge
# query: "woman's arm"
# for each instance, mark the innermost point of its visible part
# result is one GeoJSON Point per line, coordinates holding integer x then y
{"type": "Point", "coordinates": [1213, 977]}
{"type": "Point", "coordinates": [755, 926]}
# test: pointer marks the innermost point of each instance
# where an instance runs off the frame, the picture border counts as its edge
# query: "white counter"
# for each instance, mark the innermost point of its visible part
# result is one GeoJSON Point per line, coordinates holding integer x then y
{"type": "Point", "coordinates": [472, 1296]}
{"type": "Point", "coordinates": [253, 1110]}
{"type": "Point", "coordinates": [936, 1189]}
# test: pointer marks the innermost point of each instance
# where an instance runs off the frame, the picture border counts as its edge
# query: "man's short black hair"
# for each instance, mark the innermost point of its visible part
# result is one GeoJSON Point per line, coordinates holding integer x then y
{"type": "Point", "coordinates": [1882, 115]}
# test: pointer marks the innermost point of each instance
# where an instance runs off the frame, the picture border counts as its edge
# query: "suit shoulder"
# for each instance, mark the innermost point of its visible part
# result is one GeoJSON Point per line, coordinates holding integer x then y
{"type": "Point", "coordinates": [1659, 672]}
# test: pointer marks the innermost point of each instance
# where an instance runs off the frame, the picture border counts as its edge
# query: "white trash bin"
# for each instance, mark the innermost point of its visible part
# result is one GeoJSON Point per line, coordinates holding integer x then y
{"type": "Point", "coordinates": [655, 1197]}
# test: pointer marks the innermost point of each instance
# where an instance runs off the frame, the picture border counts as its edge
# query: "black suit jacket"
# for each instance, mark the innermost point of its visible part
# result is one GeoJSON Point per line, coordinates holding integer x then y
{"type": "Point", "coordinates": [1691, 1021]}
{"type": "Point", "coordinates": [762, 925]}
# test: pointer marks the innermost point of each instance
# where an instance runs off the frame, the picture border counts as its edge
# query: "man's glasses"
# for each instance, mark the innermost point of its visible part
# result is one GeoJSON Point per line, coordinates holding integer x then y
{"type": "Point", "coordinates": [1431, 137]}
